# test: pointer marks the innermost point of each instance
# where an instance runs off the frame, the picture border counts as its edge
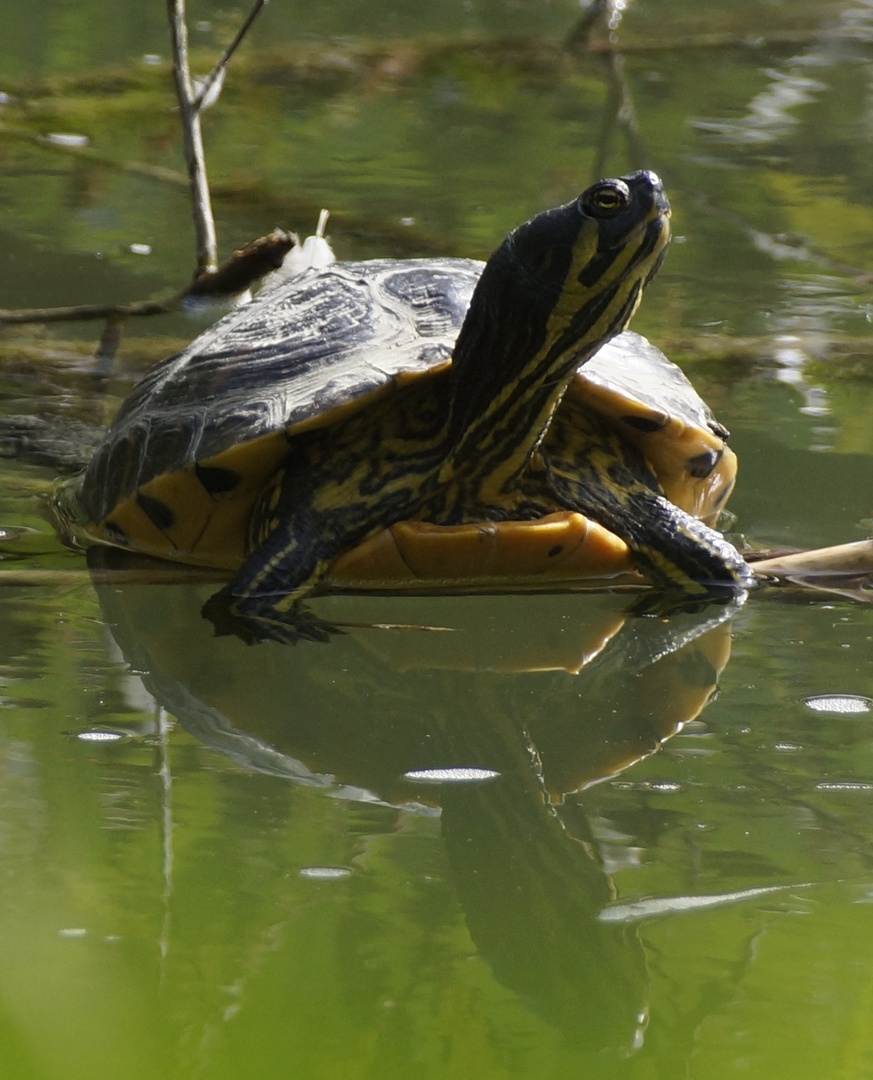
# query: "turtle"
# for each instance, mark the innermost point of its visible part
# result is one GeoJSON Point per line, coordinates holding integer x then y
{"type": "Point", "coordinates": [425, 391]}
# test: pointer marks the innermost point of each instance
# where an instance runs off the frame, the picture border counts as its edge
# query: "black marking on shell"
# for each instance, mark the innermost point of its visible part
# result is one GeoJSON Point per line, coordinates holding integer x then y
{"type": "Point", "coordinates": [556, 550]}
{"type": "Point", "coordinates": [115, 533]}
{"type": "Point", "coordinates": [701, 465]}
{"type": "Point", "coordinates": [647, 424]}
{"type": "Point", "coordinates": [720, 498]}
{"type": "Point", "coordinates": [160, 515]}
{"type": "Point", "coordinates": [216, 480]}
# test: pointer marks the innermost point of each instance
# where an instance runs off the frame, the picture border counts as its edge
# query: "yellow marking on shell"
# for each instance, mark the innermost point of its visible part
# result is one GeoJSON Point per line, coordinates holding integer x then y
{"type": "Point", "coordinates": [667, 450]}
{"type": "Point", "coordinates": [557, 548]}
{"type": "Point", "coordinates": [208, 529]}
{"type": "Point", "coordinates": [405, 378]}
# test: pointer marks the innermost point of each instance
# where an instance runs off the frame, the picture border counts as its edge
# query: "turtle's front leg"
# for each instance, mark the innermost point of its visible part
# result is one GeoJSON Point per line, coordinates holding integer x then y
{"type": "Point", "coordinates": [592, 470]}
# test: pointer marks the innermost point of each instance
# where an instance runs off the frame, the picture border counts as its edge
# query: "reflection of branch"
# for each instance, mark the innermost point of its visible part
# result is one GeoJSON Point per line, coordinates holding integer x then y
{"type": "Point", "coordinates": [88, 153]}
{"type": "Point", "coordinates": [725, 40]}
{"type": "Point", "coordinates": [619, 113]}
{"type": "Point", "coordinates": [579, 38]}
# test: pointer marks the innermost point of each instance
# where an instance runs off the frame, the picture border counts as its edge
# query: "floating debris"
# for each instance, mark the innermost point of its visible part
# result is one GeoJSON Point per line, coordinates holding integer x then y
{"type": "Point", "coordinates": [673, 905]}
{"type": "Point", "coordinates": [325, 873]}
{"type": "Point", "coordinates": [461, 775]}
{"type": "Point", "coordinates": [100, 736]}
{"type": "Point", "coordinates": [62, 138]}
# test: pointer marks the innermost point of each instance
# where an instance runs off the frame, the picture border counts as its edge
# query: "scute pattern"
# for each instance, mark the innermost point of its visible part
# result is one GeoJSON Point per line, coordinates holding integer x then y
{"type": "Point", "coordinates": [264, 367]}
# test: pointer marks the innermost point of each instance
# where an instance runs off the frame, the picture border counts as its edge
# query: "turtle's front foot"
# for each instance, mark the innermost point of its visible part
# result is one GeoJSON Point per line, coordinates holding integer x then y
{"type": "Point", "coordinates": [253, 624]}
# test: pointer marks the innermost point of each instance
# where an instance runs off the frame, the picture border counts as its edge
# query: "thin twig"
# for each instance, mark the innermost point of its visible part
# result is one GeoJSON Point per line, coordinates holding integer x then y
{"type": "Point", "coordinates": [84, 312]}
{"type": "Point", "coordinates": [219, 69]}
{"type": "Point", "coordinates": [204, 223]}
{"type": "Point", "coordinates": [232, 279]}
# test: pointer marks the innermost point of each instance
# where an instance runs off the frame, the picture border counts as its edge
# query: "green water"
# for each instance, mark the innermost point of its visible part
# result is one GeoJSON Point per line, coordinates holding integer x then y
{"type": "Point", "coordinates": [217, 861]}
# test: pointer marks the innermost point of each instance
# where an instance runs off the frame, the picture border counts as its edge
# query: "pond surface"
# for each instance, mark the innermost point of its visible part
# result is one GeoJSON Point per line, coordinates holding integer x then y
{"type": "Point", "coordinates": [547, 836]}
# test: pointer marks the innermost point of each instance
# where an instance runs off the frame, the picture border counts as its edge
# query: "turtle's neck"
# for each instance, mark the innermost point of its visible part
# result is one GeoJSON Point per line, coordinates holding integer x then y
{"type": "Point", "coordinates": [548, 298]}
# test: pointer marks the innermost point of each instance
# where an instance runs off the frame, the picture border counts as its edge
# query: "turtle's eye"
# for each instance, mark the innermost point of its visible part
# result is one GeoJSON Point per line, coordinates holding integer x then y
{"type": "Point", "coordinates": [605, 199]}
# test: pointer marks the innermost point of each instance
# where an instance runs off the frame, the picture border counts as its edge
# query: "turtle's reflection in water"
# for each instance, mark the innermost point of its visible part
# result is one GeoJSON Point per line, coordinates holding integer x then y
{"type": "Point", "coordinates": [528, 699]}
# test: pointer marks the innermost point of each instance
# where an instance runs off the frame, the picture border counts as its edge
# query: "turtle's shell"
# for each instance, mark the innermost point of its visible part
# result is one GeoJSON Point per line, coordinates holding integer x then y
{"type": "Point", "coordinates": [185, 459]}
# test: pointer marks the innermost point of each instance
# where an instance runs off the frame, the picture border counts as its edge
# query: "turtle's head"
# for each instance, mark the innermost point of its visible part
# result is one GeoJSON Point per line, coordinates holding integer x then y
{"type": "Point", "coordinates": [556, 289]}
{"type": "Point", "coordinates": [590, 260]}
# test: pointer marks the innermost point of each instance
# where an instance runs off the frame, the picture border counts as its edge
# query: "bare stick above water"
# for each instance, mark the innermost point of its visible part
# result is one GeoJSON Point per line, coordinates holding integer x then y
{"type": "Point", "coordinates": [211, 281]}
{"type": "Point", "coordinates": [205, 95]}
{"type": "Point", "coordinates": [204, 223]}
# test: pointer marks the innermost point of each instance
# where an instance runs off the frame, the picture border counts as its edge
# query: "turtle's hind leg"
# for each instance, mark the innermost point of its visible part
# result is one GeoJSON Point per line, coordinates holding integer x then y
{"type": "Point", "coordinates": [291, 547]}
{"type": "Point", "coordinates": [339, 489]}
